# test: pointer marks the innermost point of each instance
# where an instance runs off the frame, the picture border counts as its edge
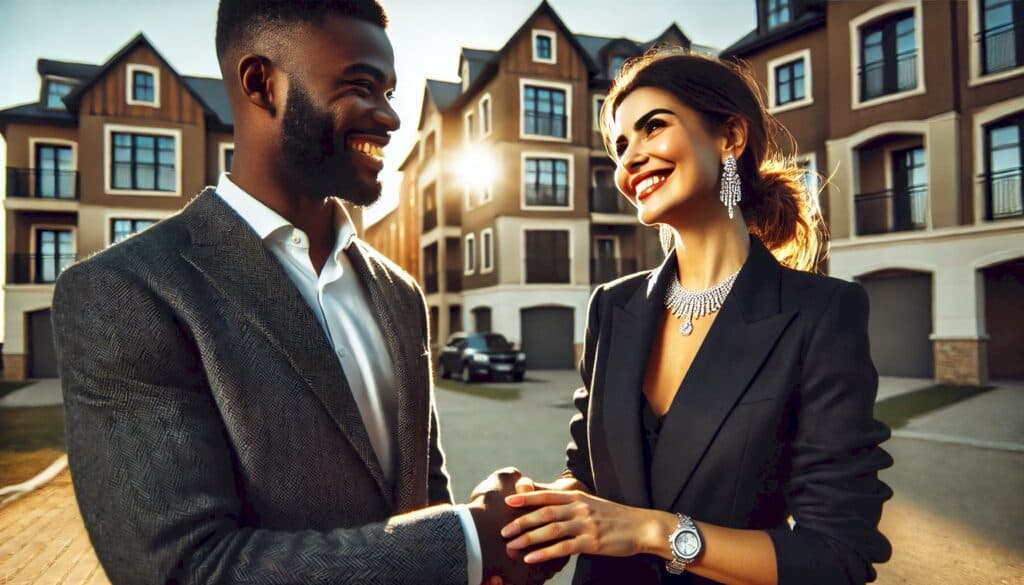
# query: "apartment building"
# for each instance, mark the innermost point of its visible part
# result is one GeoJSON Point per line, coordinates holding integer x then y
{"type": "Point", "coordinates": [105, 152]}
{"type": "Point", "coordinates": [915, 110]}
{"type": "Point", "coordinates": [519, 250]}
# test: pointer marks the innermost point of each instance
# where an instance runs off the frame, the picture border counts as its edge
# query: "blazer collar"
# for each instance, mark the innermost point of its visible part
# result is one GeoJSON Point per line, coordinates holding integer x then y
{"type": "Point", "coordinates": [230, 255]}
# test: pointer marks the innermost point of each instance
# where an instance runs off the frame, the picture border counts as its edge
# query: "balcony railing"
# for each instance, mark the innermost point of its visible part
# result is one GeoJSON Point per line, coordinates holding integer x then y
{"type": "Point", "coordinates": [999, 50]}
{"type": "Point", "coordinates": [38, 268]}
{"type": "Point", "coordinates": [1003, 195]}
{"type": "Point", "coordinates": [430, 282]}
{"type": "Point", "coordinates": [547, 269]}
{"type": "Point", "coordinates": [898, 210]}
{"type": "Point", "coordinates": [877, 79]}
{"type": "Point", "coordinates": [607, 269]}
{"type": "Point", "coordinates": [42, 183]}
{"type": "Point", "coordinates": [603, 200]}
{"type": "Point", "coordinates": [453, 280]}
{"type": "Point", "coordinates": [429, 220]}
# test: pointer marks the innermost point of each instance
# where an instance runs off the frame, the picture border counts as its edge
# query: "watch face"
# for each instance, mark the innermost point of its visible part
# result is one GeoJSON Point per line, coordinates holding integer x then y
{"type": "Point", "coordinates": [687, 544]}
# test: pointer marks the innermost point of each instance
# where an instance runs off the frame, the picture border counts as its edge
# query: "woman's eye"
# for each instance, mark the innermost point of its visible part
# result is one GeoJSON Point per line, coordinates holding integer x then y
{"type": "Point", "coordinates": [620, 148]}
{"type": "Point", "coordinates": [653, 125]}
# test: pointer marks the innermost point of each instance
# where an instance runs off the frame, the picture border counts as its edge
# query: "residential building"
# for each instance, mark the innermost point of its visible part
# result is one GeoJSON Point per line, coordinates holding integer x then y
{"type": "Point", "coordinates": [914, 110]}
{"type": "Point", "coordinates": [519, 251]}
{"type": "Point", "coordinates": [397, 234]}
{"type": "Point", "coordinates": [106, 151]}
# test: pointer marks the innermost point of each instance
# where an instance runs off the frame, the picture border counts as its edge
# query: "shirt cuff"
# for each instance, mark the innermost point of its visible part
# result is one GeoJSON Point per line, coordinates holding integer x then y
{"type": "Point", "coordinates": [474, 557]}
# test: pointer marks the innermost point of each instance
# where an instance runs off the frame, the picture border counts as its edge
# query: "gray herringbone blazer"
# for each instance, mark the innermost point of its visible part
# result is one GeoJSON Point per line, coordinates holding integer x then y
{"type": "Point", "coordinates": [211, 433]}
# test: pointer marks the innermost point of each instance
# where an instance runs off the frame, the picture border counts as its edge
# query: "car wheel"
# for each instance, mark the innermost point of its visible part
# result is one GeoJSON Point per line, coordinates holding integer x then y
{"type": "Point", "coordinates": [467, 376]}
{"type": "Point", "coordinates": [517, 377]}
{"type": "Point", "coordinates": [442, 371]}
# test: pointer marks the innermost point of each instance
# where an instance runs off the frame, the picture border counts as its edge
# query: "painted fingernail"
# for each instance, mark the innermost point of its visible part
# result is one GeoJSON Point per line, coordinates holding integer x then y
{"type": "Point", "coordinates": [514, 500]}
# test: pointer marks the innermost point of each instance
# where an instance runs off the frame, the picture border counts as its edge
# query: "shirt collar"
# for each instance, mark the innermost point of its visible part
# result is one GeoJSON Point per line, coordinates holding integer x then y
{"type": "Point", "coordinates": [265, 221]}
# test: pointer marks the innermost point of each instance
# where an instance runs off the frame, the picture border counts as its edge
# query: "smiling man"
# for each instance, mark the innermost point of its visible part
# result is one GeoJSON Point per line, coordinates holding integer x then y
{"type": "Point", "coordinates": [247, 384]}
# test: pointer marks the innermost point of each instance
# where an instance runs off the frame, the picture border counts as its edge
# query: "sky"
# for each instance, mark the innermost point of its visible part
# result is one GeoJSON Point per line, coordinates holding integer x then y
{"type": "Point", "coordinates": [427, 36]}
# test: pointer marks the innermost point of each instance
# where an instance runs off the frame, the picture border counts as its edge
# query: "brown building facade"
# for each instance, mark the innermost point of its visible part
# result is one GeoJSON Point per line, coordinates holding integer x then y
{"type": "Point", "coordinates": [914, 111]}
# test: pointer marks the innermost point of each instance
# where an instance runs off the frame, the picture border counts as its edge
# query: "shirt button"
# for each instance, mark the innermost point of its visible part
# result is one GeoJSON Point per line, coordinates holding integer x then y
{"type": "Point", "coordinates": [296, 240]}
{"type": "Point", "coordinates": [341, 352]}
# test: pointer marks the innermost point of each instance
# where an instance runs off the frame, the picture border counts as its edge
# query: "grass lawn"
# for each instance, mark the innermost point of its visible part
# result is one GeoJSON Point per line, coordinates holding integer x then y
{"type": "Point", "coordinates": [30, 440]}
{"type": "Point", "coordinates": [480, 390]}
{"type": "Point", "coordinates": [8, 387]}
{"type": "Point", "coordinates": [896, 411]}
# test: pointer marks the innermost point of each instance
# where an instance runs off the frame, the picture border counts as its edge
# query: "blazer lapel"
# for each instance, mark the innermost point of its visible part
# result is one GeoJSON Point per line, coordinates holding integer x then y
{"type": "Point", "coordinates": [632, 334]}
{"type": "Point", "coordinates": [406, 345]}
{"type": "Point", "coordinates": [235, 261]}
{"type": "Point", "coordinates": [743, 334]}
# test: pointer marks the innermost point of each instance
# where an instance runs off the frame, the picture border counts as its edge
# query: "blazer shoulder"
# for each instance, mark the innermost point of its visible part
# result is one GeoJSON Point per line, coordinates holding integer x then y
{"type": "Point", "coordinates": [813, 293]}
{"type": "Point", "coordinates": [622, 288]}
{"type": "Point", "coordinates": [398, 275]}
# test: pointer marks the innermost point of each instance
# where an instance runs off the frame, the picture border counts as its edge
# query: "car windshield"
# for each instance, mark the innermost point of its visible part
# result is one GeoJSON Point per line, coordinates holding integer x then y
{"type": "Point", "coordinates": [489, 342]}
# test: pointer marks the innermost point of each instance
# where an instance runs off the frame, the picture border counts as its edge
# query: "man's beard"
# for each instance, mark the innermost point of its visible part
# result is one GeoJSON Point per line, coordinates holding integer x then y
{"type": "Point", "coordinates": [309, 145]}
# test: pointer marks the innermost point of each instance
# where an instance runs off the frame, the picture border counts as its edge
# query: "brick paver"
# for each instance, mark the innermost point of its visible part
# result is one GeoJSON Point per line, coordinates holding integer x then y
{"type": "Point", "coordinates": [43, 540]}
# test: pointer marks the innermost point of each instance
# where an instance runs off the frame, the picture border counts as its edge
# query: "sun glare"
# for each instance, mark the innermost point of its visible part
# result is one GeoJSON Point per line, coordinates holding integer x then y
{"type": "Point", "coordinates": [476, 167]}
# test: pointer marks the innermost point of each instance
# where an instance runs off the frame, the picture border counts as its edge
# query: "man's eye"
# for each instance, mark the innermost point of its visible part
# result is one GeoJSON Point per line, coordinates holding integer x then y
{"type": "Point", "coordinates": [390, 95]}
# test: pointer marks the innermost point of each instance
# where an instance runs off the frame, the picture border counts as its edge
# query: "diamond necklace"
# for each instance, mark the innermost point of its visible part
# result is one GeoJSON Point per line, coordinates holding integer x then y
{"type": "Point", "coordinates": [695, 304]}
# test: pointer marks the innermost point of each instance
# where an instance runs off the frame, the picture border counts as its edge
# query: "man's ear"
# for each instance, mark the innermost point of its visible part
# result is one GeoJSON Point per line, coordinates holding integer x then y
{"type": "Point", "coordinates": [257, 82]}
{"type": "Point", "coordinates": [735, 131]}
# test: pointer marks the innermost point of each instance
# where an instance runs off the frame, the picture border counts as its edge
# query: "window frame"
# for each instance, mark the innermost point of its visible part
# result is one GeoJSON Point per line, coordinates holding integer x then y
{"type": "Point", "coordinates": [468, 129]}
{"type": "Point", "coordinates": [222, 158]}
{"type": "Point", "coordinates": [129, 83]}
{"type": "Point", "coordinates": [486, 254]}
{"type": "Point", "coordinates": [486, 119]}
{"type": "Point", "coordinates": [594, 99]}
{"type": "Point", "coordinates": [538, 227]}
{"type": "Point", "coordinates": [774, 107]}
{"type": "Point", "coordinates": [549, 85]}
{"type": "Point", "coordinates": [108, 144]}
{"type": "Point", "coordinates": [868, 18]}
{"type": "Point", "coordinates": [570, 180]}
{"type": "Point", "coordinates": [552, 38]}
{"type": "Point", "coordinates": [469, 254]}
{"type": "Point", "coordinates": [34, 253]}
{"type": "Point", "coordinates": [783, 5]}
{"type": "Point", "coordinates": [975, 30]}
{"type": "Point", "coordinates": [45, 98]}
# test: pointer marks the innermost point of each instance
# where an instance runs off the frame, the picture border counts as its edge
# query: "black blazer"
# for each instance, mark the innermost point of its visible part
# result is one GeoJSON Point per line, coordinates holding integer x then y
{"type": "Point", "coordinates": [773, 419]}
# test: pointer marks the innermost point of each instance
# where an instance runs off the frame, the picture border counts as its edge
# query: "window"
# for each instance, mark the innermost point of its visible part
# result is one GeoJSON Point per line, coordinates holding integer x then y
{"type": "Point", "coordinates": [143, 85]}
{"type": "Point", "coordinates": [54, 252]}
{"type": "Point", "coordinates": [544, 112]}
{"type": "Point", "coordinates": [910, 189]}
{"type": "Point", "coordinates": [143, 162]}
{"type": "Point", "coordinates": [547, 256]}
{"type": "Point", "coordinates": [888, 51]}
{"type": "Point", "coordinates": [55, 92]}
{"type": "Point", "coordinates": [470, 254]}
{"type": "Point", "coordinates": [227, 157]}
{"type": "Point", "coordinates": [615, 65]}
{"type": "Point", "coordinates": [1002, 44]}
{"type": "Point", "coordinates": [485, 116]}
{"type": "Point", "coordinates": [1003, 163]}
{"type": "Point", "coordinates": [790, 85]}
{"type": "Point", "coordinates": [487, 250]}
{"type": "Point", "coordinates": [429, 207]}
{"type": "Point", "coordinates": [778, 13]}
{"type": "Point", "coordinates": [809, 165]}
{"type": "Point", "coordinates": [546, 182]}
{"type": "Point", "coordinates": [54, 174]}
{"type": "Point", "coordinates": [122, 229]}
{"type": "Point", "coordinates": [468, 127]}
{"type": "Point", "coordinates": [543, 46]}
{"type": "Point", "coordinates": [789, 82]}
{"type": "Point", "coordinates": [598, 104]}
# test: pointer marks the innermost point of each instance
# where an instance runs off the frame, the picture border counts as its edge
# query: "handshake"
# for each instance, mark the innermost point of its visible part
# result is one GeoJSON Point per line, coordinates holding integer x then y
{"type": "Point", "coordinates": [498, 525]}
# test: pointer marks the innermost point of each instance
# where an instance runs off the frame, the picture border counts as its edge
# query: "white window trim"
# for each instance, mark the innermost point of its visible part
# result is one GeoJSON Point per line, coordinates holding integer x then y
{"type": "Point", "coordinates": [571, 180]}
{"type": "Point", "coordinates": [567, 88]}
{"type": "Point", "coordinates": [538, 227]}
{"type": "Point", "coordinates": [111, 214]}
{"type": "Point", "coordinates": [974, 28]}
{"type": "Point", "coordinates": [550, 34]}
{"type": "Point", "coordinates": [773, 65]}
{"type": "Point", "coordinates": [597, 111]}
{"type": "Point", "coordinates": [486, 260]}
{"type": "Point", "coordinates": [487, 194]}
{"type": "Point", "coordinates": [486, 121]}
{"type": "Point", "coordinates": [467, 128]}
{"type": "Point", "coordinates": [222, 158]}
{"type": "Point", "coordinates": [812, 158]}
{"type": "Point", "coordinates": [980, 119]}
{"type": "Point", "coordinates": [467, 197]}
{"type": "Point", "coordinates": [129, 83]}
{"type": "Point", "coordinates": [469, 254]}
{"type": "Point", "coordinates": [868, 17]}
{"type": "Point", "coordinates": [32, 245]}
{"type": "Point", "coordinates": [34, 141]}
{"type": "Point", "coordinates": [108, 131]}
{"type": "Point", "coordinates": [74, 83]}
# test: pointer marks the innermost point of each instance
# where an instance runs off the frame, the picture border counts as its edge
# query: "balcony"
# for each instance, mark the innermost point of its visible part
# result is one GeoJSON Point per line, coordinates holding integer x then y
{"type": "Point", "coordinates": [430, 283]}
{"type": "Point", "coordinates": [604, 200]}
{"type": "Point", "coordinates": [429, 220]}
{"type": "Point", "coordinates": [42, 184]}
{"type": "Point", "coordinates": [547, 269]}
{"type": "Point", "coordinates": [883, 77]}
{"type": "Point", "coordinates": [1003, 195]}
{"type": "Point", "coordinates": [604, 270]}
{"type": "Point", "coordinates": [453, 280]}
{"type": "Point", "coordinates": [1000, 48]}
{"type": "Point", "coordinates": [37, 268]}
{"type": "Point", "coordinates": [892, 210]}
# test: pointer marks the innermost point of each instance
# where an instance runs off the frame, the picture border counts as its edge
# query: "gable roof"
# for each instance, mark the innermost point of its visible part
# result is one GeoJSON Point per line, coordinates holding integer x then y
{"type": "Point", "coordinates": [812, 18]}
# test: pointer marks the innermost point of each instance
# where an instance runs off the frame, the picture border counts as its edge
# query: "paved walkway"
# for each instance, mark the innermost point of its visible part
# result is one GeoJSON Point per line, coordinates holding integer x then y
{"type": "Point", "coordinates": [42, 392]}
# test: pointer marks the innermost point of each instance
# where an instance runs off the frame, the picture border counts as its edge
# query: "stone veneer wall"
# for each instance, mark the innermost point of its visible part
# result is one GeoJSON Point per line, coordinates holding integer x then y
{"type": "Point", "coordinates": [961, 361]}
{"type": "Point", "coordinates": [15, 367]}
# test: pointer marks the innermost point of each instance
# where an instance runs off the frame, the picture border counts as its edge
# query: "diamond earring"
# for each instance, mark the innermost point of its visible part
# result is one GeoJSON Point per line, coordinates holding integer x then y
{"type": "Point", "coordinates": [730, 192]}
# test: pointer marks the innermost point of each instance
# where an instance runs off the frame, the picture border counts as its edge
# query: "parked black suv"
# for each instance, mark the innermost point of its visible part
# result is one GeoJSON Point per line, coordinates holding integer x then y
{"type": "Point", "coordinates": [473, 355]}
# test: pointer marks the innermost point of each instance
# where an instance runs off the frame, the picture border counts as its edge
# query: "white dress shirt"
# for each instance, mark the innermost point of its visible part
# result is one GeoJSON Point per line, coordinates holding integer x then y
{"type": "Point", "coordinates": [338, 299]}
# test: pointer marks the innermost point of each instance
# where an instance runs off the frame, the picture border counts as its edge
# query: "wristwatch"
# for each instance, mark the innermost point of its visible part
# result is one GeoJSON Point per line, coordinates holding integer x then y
{"type": "Point", "coordinates": [686, 544]}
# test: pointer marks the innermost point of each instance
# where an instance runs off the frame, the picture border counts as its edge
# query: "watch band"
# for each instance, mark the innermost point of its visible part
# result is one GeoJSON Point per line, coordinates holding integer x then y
{"type": "Point", "coordinates": [680, 559]}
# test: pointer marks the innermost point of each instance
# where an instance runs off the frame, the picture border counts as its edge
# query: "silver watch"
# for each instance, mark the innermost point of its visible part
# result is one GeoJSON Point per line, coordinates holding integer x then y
{"type": "Point", "coordinates": [686, 544]}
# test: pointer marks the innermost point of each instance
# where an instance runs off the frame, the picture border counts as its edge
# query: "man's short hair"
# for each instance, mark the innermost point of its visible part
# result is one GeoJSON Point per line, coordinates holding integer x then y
{"type": "Point", "coordinates": [241, 22]}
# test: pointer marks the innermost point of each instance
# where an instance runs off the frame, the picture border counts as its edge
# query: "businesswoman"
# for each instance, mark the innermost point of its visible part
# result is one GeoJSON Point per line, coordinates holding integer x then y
{"type": "Point", "coordinates": [725, 429]}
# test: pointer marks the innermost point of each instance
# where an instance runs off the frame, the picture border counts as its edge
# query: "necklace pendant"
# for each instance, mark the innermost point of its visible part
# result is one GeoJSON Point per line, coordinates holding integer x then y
{"type": "Point", "coordinates": [685, 328]}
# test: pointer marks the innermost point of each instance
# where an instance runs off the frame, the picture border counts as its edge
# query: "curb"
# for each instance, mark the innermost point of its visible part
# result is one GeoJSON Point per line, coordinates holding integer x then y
{"type": "Point", "coordinates": [13, 492]}
{"type": "Point", "coordinates": [962, 441]}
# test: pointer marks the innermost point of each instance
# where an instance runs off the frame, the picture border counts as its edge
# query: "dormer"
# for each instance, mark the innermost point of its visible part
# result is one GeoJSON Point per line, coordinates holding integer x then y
{"type": "Point", "coordinates": [54, 89]}
{"type": "Point", "coordinates": [545, 47]}
{"type": "Point", "coordinates": [142, 85]}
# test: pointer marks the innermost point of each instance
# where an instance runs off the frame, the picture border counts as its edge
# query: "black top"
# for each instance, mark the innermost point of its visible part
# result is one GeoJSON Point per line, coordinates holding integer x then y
{"type": "Point", "coordinates": [652, 427]}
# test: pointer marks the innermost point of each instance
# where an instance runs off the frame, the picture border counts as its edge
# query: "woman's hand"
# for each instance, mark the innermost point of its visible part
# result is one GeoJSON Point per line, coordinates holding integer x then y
{"type": "Point", "coordinates": [577, 522]}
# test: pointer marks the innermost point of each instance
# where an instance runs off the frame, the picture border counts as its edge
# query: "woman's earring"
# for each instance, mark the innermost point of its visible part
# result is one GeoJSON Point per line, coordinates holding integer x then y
{"type": "Point", "coordinates": [730, 192]}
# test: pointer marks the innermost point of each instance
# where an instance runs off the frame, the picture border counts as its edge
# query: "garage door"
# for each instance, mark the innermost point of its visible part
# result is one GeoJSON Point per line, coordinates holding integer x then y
{"type": "Point", "coordinates": [1004, 313]}
{"type": "Point", "coordinates": [547, 337]}
{"type": "Point", "coordinates": [901, 322]}
{"type": "Point", "coordinates": [42, 357]}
